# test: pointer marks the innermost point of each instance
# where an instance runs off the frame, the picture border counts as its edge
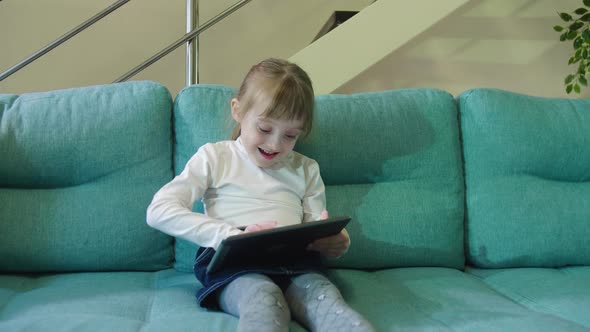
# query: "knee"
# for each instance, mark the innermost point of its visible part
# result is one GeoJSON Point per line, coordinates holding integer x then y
{"type": "Point", "coordinates": [265, 290]}
{"type": "Point", "coordinates": [269, 295]}
{"type": "Point", "coordinates": [314, 282]}
{"type": "Point", "coordinates": [310, 278]}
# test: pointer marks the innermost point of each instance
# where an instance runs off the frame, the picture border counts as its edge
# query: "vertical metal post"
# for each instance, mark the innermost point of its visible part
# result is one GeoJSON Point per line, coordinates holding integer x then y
{"type": "Point", "coordinates": [183, 41]}
{"type": "Point", "coordinates": [192, 46]}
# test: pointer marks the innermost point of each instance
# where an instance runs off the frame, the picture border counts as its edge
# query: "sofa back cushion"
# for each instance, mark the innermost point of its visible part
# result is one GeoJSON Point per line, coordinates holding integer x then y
{"type": "Point", "coordinates": [391, 160]}
{"type": "Point", "coordinates": [527, 169]}
{"type": "Point", "coordinates": [78, 169]}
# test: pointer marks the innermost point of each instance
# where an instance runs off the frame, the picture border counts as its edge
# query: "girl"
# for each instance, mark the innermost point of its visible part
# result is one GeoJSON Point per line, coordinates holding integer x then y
{"type": "Point", "coordinates": [257, 181]}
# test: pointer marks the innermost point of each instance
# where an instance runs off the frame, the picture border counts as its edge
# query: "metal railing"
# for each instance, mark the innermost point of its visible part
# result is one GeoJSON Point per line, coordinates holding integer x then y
{"type": "Point", "coordinates": [192, 46]}
{"type": "Point", "coordinates": [190, 39]}
{"type": "Point", "coordinates": [188, 36]}
{"type": "Point", "coordinates": [62, 39]}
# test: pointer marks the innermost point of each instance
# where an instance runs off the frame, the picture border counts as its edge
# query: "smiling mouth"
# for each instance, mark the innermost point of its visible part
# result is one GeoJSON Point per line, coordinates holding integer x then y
{"type": "Point", "coordinates": [267, 155]}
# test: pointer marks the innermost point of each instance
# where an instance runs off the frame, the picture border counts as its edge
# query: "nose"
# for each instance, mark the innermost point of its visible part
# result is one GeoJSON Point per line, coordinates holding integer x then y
{"type": "Point", "coordinates": [274, 141]}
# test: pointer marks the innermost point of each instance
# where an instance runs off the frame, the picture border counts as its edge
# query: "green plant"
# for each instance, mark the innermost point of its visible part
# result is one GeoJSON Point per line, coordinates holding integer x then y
{"type": "Point", "coordinates": [578, 31]}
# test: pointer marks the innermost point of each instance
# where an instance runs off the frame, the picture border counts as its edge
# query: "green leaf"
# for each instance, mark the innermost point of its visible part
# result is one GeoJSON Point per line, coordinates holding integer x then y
{"type": "Point", "coordinates": [581, 11]}
{"type": "Point", "coordinates": [587, 3]}
{"type": "Point", "coordinates": [583, 81]}
{"type": "Point", "coordinates": [586, 35]}
{"type": "Point", "coordinates": [578, 42]}
{"type": "Point", "coordinates": [576, 25]}
{"type": "Point", "coordinates": [563, 37]}
{"type": "Point", "coordinates": [569, 79]}
{"type": "Point", "coordinates": [558, 28]}
{"type": "Point", "coordinates": [577, 88]}
{"type": "Point", "coordinates": [585, 18]}
{"type": "Point", "coordinates": [571, 35]}
{"type": "Point", "coordinates": [569, 88]}
{"type": "Point", "coordinates": [585, 54]}
{"type": "Point", "coordinates": [566, 17]}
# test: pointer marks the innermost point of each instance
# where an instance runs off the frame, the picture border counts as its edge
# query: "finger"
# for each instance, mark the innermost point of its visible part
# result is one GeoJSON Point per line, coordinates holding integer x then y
{"type": "Point", "coordinates": [341, 237]}
{"type": "Point", "coordinates": [324, 215]}
{"type": "Point", "coordinates": [329, 245]}
{"type": "Point", "coordinates": [326, 247]}
{"type": "Point", "coordinates": [261, 226]}
{"type": "Point", "coordinates": [335, 253]}
{"type": "Point", "coordinates": [267, 225]}
{"type": "Point", "coordinates": [252, 228]}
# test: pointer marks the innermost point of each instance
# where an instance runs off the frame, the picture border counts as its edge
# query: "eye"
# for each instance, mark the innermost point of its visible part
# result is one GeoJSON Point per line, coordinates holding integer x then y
{"type": "Point", "coordinates": [291, 137]}
{"type": "Point", "coordinates": [264, 130]}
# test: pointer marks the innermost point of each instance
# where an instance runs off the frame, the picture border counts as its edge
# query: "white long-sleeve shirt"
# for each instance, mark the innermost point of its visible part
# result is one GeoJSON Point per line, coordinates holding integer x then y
{"type": "Point", "coordinates": [236, 193]}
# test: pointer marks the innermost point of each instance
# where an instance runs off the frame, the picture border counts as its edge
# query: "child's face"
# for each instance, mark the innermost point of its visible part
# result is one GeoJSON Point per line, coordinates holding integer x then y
{"type": "Point", "coordinates": [266, 140]}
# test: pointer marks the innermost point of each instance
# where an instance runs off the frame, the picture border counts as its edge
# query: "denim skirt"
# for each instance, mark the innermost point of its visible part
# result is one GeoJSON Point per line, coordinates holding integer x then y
{"type": "Point", "coordinates": [214, 282]}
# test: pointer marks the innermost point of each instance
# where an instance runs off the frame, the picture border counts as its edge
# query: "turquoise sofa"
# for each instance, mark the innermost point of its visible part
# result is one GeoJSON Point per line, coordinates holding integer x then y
{"type": "Point", "coordinates": [470, 212]}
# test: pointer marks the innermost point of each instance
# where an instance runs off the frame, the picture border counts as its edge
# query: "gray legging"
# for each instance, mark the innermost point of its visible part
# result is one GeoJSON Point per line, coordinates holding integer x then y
{"type": "Point", "coordinates": [311, 298]}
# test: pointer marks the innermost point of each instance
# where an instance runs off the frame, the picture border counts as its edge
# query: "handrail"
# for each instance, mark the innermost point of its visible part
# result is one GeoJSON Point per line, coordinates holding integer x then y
{"type": "Point", "coordinates": [188, 36]}
{"type": "Point", "coordinates": [192, 46]}
{"type": "Point", "coordinates": [62, 39]}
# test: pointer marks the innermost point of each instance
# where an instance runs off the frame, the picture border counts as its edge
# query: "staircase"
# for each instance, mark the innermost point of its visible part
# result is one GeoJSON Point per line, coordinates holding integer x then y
{"type": "Point", "coordinates": [368, 37]}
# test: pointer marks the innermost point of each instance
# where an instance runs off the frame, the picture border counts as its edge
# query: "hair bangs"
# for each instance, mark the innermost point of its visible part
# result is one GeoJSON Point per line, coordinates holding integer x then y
{"type": "Point", "coordinates": [290, 101]}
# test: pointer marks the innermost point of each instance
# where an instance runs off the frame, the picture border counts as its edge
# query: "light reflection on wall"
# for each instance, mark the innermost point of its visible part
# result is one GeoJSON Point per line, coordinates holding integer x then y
{"type": "Point", "coordinates": [506, 44]}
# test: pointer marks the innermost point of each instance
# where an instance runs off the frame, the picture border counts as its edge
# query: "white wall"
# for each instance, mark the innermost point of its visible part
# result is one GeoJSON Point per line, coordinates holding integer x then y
{"type": "Point", "coordinates": [140, 28]}
{"type": "Point", "coordinates": [98, 55]}
{"type": "Point", "coordinates": [506, 44]}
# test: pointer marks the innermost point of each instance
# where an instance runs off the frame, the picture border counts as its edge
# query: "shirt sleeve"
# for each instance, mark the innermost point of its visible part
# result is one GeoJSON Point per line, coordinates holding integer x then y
{"type": "Point", "coordinates": [171, 208]}
{"type": "Point", "coordinates": [314, 200]}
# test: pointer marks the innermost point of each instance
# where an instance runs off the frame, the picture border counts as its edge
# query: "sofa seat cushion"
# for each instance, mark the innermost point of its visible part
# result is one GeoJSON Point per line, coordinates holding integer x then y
{"type": "Point", "coordinates": [414, 299]}
{"type": "Point", "coordinates": [434, 299]}
{"type": "Point", "coordinates": [107, 301]}
{"type": "Point", "coordinates": [561, 292]}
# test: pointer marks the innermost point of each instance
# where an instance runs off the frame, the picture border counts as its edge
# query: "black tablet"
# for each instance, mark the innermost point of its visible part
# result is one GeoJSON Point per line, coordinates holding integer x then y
{"type": "Point", "coordinates": [273, 246]}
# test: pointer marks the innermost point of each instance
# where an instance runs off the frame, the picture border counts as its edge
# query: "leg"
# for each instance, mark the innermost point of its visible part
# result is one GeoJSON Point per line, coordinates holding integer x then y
{"type": "Point", "coordinates": [258, 302]}
{"type": "Point", "coordinates": [316, 303]}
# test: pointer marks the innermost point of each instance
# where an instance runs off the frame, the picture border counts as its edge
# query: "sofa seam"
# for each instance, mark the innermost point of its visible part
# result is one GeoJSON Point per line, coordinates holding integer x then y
{"type": "Point", "coordinates": [149, 309]}
{"type": "Point", "coordinates": [20, 289]}
{"type": "Point", "coordinates": [464, 178]}
{"type": "Point", "coordinates": [502, 291]}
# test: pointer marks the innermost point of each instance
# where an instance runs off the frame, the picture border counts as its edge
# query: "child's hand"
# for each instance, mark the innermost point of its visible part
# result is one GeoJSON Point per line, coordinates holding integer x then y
{"type": "Point", "coordinates": [260, 226]}
{"type": "Point", "coordinates": [332, 246]}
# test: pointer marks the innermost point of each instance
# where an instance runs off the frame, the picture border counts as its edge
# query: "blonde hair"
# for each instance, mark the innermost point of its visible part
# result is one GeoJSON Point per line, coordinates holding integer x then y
{"type": "Point", "coordinates": [284, 86]}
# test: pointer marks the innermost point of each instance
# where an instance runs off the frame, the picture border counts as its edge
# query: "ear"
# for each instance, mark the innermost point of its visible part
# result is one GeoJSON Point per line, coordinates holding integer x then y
{"type": "Point", "coordinates": [235, 110]}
